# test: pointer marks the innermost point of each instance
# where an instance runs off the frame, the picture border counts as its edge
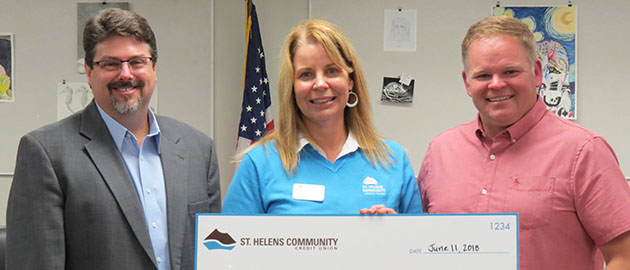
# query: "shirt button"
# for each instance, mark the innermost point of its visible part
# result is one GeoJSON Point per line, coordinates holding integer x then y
{"type": "Point", "coordinates": [492, 157]}
{"type": "Point", "coordinates": [484, 191]}
{"type": "Point", "coordinates": [513, 140]}
{"type": "Point", "coordinates": [148, 191]}
{"type": "Point", "coordinates": [159, 259]}
{"type": "Point", "coordinates": [141, 158]}
{"type": "Point", "coordinates": [154, 225]}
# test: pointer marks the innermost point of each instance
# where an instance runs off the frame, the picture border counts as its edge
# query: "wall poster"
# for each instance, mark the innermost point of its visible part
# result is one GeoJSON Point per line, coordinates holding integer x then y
{"type": "Point", "coordinates": [72, 97]}
{"type": "Point", "coordinates": [398, 90]}
{"type": "Point", "coordinates": [6, 68]}
{"type": "Point", "coordinates": [400, 30]}
{"type": "Point", "coordinates": [555, 29]}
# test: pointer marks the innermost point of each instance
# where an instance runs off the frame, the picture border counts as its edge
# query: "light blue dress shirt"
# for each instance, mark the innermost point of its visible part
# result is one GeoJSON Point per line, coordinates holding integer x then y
{"type": "Point", "coordinates": [145, 168]}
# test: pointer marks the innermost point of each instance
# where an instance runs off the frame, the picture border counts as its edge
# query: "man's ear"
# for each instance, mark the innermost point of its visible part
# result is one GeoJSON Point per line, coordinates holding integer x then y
{"type": "Point", "coordinates": [88, 72]}
{"type": "Point", "coordinates": [466, 83]}
{"type": "Point", "coordinates": [538, 73]}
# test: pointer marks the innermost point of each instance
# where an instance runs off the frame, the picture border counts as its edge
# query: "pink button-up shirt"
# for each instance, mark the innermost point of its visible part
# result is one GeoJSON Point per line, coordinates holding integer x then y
{"type": "Point", "coordinates": [562, 179]}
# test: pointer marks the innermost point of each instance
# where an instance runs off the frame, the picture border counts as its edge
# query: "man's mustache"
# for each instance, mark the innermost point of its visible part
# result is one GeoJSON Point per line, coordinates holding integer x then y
{"type": "Point", "coordinates": [125, 84]}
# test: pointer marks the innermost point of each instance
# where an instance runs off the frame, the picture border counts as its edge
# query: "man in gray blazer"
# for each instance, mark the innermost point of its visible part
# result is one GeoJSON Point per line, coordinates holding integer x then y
{"type": "Point", "coordinates": [113, 186]}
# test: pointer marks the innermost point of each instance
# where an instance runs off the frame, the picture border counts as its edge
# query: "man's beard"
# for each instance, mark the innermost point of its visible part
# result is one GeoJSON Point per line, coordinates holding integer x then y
{"type": "Point", "coordinates": [124, 107]}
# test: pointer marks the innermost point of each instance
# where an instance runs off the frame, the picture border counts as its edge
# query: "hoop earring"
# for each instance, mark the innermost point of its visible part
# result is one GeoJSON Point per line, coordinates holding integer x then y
{"type": "Point", "coordinates": [356, 99]}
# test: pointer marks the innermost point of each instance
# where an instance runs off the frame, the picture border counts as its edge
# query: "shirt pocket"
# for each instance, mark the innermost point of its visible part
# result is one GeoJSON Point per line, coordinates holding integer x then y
{"type": "Point", "coordinates": [532, 198]}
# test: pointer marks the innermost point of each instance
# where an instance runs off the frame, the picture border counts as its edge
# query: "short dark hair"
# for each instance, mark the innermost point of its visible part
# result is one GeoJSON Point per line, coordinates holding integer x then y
{"type": "Point", "coordinates": [116, 22]}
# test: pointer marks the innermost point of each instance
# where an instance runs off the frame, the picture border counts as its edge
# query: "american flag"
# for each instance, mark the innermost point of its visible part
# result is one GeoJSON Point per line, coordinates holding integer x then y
{"type": "Point", "coordinates": [256, 118]}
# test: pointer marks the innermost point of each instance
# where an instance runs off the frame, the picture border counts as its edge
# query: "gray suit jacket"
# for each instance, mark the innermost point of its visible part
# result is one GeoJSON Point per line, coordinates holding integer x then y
{"type": "Point", "coordinates": [73, 204]}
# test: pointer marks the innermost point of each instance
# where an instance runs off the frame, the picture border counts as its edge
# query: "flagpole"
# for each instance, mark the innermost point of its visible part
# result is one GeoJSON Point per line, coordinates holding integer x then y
{"type": "Point", "coordinates": [248, 27]}
{"type": "Point", "coordinates": [248, 8]}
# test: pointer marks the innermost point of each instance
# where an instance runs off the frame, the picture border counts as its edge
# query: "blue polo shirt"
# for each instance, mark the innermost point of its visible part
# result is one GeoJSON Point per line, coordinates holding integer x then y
{"type": "Point", "coordinates": [318, 186]}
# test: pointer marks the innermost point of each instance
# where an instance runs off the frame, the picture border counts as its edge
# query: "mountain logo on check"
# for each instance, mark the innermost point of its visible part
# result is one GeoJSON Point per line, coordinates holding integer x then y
{"type": "Point", "coordinates": [219, 240]}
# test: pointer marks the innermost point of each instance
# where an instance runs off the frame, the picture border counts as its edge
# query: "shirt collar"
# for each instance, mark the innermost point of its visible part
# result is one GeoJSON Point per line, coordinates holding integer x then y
{"type": "Point", "coordinates": [349, 146]}
{"type": "Point", "coordinates": [518, 129]}
{"type": "Point", "coordinates": [118, 131]}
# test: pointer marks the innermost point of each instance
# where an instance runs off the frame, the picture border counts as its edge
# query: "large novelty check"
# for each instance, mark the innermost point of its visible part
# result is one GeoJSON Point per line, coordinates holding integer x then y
{"type": "Point", "coordinates": [475, 241]}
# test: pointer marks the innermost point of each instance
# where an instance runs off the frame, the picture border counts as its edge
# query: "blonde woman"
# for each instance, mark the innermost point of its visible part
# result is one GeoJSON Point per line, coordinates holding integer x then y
{"type": "Point", "coordinates": [325, 156]}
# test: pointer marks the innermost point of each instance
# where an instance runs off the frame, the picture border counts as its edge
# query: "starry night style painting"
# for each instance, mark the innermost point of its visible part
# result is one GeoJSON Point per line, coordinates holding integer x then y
{"type": "Point", "coordinates": [555, 29]}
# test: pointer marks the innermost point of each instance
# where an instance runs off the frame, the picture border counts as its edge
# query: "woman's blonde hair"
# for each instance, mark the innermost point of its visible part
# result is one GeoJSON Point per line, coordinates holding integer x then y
{"type": "Point", "coordinates": [290, 122]}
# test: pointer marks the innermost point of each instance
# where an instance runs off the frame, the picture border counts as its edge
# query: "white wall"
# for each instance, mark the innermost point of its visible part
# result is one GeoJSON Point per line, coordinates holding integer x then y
{"type": "Point", "coordinates": [440, 100]}
{"type": "Point", "coordinates": [45, 54]}
{"type": "Point", "coordinates": [201, 45]}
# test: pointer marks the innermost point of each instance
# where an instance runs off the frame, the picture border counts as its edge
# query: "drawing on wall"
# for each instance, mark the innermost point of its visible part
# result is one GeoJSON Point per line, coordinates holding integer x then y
{"type": "Point", "coordinates": [74, 96]}
{"type": "Point", "coordinates": [400, 30]}
{"type": "Point", "coordinates": [555, 29]}
{"type": "Point", "coordinates": [84, 12]}
{"type": "Point", "coordinates": [397, 90]}
{"type": "Point", "coordinates": [7, 89]}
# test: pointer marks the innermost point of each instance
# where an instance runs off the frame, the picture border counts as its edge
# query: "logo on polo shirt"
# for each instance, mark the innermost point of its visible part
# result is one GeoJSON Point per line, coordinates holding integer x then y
{"type": "Point", "coordinates": [219, 240]}
{"type": "Point", "coordinates": [371, 187]}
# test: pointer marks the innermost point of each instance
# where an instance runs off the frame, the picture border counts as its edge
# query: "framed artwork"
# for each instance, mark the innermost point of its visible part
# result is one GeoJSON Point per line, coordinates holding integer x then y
{"type": "Point", "coordinates": [555, 29]}
{"type": "Point", "coordinates": [7, 84]}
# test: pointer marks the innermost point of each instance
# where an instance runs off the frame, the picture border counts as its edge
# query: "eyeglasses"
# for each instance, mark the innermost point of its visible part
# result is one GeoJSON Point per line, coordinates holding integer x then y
{"type": "Point", "coordinates": [135, 63]}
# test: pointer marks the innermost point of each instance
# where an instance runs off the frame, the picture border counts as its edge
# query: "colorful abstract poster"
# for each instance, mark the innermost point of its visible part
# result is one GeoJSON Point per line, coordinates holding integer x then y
{"type": "Point", "coordinates": [6, 68]}
{"type": "Point", "coordinates": [555, 29]}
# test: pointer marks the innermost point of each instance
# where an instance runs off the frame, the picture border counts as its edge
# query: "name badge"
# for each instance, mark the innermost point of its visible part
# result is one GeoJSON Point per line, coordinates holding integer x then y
{"type": "Point", "coordinates": [308, 192]}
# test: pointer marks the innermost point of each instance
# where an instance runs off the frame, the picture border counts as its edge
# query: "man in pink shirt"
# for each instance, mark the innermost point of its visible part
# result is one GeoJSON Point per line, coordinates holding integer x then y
{"type": "Point", "coordinates": [562, 179]}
